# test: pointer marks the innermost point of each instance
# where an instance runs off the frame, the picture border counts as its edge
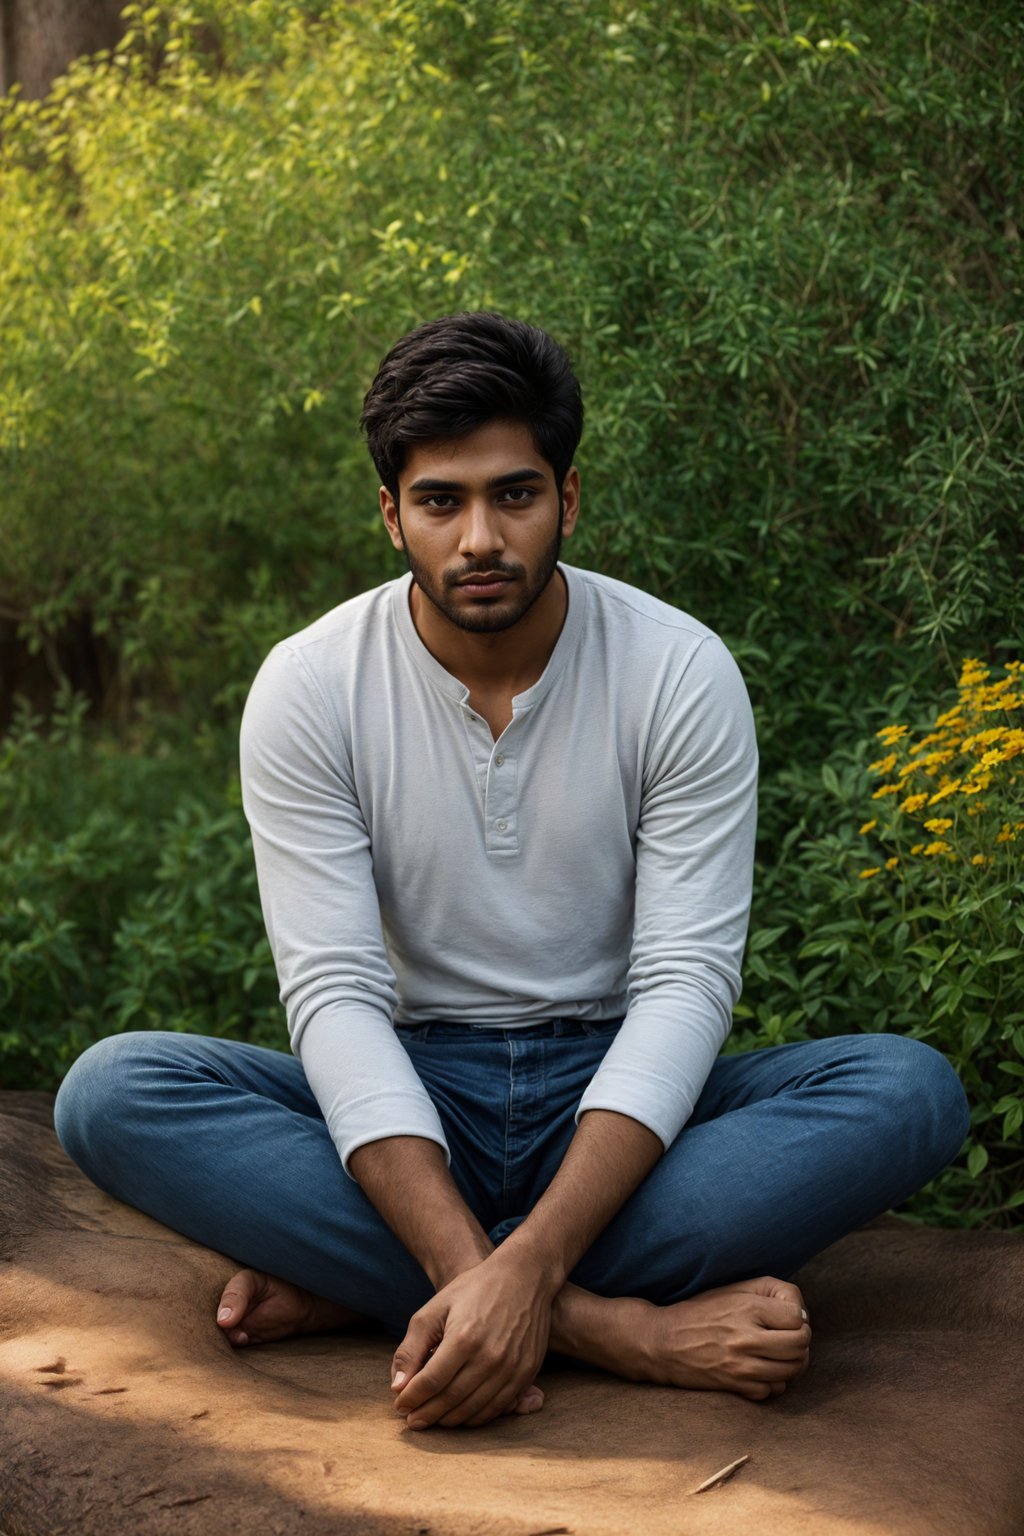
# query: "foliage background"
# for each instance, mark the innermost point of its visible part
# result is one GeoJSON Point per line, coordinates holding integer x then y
{"type": "Point", "coordinates": [784, 252]}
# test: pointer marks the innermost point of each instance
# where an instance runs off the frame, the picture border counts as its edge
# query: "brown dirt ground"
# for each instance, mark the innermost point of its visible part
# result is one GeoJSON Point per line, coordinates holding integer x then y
{"type": "Point", "coordinates": [124, 1412]}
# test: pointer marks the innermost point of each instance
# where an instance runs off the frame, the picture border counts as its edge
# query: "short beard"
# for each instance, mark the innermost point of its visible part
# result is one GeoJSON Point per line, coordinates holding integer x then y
{"type": "Point", "coordinates": [488, 620]}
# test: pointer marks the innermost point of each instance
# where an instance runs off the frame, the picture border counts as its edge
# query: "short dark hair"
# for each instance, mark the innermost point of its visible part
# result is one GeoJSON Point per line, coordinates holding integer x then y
{"type": "Point", "coordinates": [450, 376]}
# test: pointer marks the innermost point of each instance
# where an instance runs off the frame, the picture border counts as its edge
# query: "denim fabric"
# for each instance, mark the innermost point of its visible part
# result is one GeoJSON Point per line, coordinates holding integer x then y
{"type": "Point", "coordinates": [788, 1149]}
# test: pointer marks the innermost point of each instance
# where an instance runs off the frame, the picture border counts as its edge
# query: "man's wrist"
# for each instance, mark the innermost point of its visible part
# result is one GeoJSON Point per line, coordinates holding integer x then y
{"type": "Point", "coordinates": [544, 1269]}
{"type": "Point", "coordinates": [451, 1259]}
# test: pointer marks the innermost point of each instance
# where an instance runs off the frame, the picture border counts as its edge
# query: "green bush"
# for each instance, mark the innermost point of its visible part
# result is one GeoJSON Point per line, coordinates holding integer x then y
{"type": "Point", "coordinates": [787, 264]}
{"type": "Point", "coordinates": [913, 923]}
{"type": "Point", "coordinates": [127, 900]}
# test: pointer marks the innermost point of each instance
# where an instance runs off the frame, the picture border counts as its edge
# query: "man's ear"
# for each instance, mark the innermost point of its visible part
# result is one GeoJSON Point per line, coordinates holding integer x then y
{"type": "Point", "coordinates": [389, 512]}
{"type": "Point", "coordinates": [570, 501]}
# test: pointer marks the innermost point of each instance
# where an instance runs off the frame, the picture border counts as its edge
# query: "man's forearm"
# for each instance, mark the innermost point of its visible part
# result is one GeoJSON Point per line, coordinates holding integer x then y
{"type": "Point", "coordinates": [407, 1180]}
{"type": "Point", "coordinates": [516, 1294]}
{"type": "Point", "coordinates": [609, 1156]}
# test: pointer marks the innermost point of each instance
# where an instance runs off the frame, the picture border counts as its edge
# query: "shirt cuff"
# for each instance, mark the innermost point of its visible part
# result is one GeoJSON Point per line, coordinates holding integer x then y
{"type": "Point", "coordinates": [364, 1082]}
{"type": "Point", "coordinates": [657, 1065]}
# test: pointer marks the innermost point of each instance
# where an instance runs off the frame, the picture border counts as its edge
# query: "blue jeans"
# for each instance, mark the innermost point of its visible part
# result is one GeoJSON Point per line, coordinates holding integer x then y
{"type": "Point", "coordinates": [787, 1149]}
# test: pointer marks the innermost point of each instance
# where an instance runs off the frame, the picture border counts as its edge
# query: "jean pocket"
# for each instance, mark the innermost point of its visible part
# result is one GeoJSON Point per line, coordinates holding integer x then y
{"type": "Point", "coordinates": [413, 1033]}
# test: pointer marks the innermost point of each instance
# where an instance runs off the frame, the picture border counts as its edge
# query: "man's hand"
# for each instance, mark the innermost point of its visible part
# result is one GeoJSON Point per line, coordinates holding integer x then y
{"type": "Point", "coordinates": [471, 1353]}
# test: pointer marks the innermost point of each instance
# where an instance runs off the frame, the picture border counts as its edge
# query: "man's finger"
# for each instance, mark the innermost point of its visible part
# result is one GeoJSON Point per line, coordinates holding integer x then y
{"type": "Point", "coordinates": [530, 1401]}
{"type": "Point", "coordinates": [481, 1406]}
{"type": "Point", "coordinates": [237, 1297]}
{"type": "Point", "coordinates": [468, 1385]}
{"type": "Point", "coordinates": [456, 1368]}
{"type": "Point", "coordinates": [422, 1337]}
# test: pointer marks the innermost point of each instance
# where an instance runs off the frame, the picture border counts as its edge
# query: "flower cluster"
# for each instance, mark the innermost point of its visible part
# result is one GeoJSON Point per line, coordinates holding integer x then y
{"type": "Point", "coordinates": [956, 792]}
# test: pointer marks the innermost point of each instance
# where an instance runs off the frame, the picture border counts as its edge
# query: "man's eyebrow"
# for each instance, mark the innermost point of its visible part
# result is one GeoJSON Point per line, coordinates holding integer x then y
{"type": "Point", "coordinates": [514, 477]}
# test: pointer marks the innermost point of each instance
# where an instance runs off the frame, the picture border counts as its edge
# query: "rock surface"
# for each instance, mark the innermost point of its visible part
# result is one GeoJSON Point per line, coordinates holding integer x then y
{"type": "Point", "coordinates": [123, 1409]}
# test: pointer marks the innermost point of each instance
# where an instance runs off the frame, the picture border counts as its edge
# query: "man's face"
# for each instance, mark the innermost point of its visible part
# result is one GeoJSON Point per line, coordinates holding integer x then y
{"type": "Point", "coordinates": [480, 524]}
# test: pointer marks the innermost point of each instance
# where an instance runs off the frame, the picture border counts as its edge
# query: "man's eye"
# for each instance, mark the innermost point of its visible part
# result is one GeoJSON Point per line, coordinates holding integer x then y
{"type": "Point", "coordinates": [519, 495]}
{"type": "Point", "coordinates": [440, 501]}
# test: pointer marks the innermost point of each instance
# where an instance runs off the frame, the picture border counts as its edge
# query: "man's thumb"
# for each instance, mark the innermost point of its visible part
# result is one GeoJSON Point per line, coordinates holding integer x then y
{"type": "Point", "coordinates": [420, 1341]}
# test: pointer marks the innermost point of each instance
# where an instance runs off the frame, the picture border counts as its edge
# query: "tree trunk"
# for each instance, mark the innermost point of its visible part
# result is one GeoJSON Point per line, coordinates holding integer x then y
{"type": "Point", "coordinates": [39, 38]}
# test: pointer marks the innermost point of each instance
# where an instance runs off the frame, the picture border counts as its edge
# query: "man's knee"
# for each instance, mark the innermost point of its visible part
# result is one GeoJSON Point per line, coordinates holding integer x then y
{"type": "Point", "coordinates": [921, 1092]}
{"type": "Point", "coordinates": [97, 1093]}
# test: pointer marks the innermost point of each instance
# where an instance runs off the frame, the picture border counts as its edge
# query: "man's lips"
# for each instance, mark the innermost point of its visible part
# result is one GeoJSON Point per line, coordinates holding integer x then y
{"type": "Point", "coordinates": [492, 583]}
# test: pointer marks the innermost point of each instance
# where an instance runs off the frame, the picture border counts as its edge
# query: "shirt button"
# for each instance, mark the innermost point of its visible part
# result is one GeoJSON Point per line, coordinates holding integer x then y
{"type": "Point", "coordinates": [502, 826]}
{"type": "Point", "coordinates": [499, 760]}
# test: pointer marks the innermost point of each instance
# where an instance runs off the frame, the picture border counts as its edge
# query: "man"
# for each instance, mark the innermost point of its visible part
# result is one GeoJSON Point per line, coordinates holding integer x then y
{"type": "Point", "coordinates": [503, 818]}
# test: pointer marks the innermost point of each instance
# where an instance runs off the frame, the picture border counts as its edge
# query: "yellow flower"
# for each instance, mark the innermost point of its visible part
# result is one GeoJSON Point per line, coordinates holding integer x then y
{"type": "Point", "coordinates": [890, 734]}
{"type": "Point", "coordinates": [936, 759]}
{"type": "Point", "coordinates": [938, 824]}
{"type": "Point", "coordinates": [869, 874]}
{"type": "Point", "coordinates": [1006, 836]}
{"type": "Point", "coordinates": [937, 847]}
{"type": "Point", "coordinates": [913, 803]}
{"type": "Point", "coordinates": [907, 770]}
{"type": "Point", "coordinates": [891, 863]}
{"type": "Point", "coordinates": [944, 791]}
{"type": "Point", "coordinates": [982, 738]}
{"type": "Point", "coordinates": [979, 858]}
{"type": "Point", "coordinates": [869, 826]}
{"type": "Point", "coordinates": [917, 848]}
{"type": "Point", "coordinates": [884, 764]}
{"type": "Point", "coordinates": [886, 789]}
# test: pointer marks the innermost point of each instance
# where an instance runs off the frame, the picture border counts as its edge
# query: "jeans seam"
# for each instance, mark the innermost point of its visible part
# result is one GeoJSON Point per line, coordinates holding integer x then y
{"type": "Point", "coordinates": [509, 1109]}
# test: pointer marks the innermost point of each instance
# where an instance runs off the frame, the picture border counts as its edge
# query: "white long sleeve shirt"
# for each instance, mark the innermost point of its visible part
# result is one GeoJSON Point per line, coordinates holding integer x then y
{"type": "Point", "coordinates": [594, 862]}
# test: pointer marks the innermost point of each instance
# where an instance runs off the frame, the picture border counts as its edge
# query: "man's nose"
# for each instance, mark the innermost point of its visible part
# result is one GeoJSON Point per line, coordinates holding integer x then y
{"type": "Point", "coordinates": [481, 533]}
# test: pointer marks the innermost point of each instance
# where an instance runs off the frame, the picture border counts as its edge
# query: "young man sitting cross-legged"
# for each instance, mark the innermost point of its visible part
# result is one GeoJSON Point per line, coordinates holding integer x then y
{"type": "Point", "coordinates": [503, 817]}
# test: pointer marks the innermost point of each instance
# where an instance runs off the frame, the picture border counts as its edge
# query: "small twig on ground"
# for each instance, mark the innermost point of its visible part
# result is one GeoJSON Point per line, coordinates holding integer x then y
{"type": "Point", "coordinates": [720, 1477]}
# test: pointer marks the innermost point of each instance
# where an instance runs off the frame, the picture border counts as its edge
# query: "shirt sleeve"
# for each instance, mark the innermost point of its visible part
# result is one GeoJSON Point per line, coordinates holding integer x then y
{"type": "Point", "coordinates": [315, 872]}
{"type": "Point", "coordinates": [694, 874]}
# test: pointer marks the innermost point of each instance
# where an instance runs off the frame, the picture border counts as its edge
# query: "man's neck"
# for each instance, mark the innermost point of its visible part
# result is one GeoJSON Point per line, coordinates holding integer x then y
{"type": "Point", "coordinates": [505, 663]}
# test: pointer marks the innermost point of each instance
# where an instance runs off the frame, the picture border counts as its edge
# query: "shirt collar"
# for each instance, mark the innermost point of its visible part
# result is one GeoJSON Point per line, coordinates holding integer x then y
{"type": "Point", "coordinates": [564, 647]}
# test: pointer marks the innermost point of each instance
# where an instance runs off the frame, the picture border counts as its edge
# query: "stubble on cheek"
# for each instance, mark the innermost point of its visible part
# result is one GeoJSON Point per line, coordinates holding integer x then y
{"type": "Point", "coordinates": [486, 615]}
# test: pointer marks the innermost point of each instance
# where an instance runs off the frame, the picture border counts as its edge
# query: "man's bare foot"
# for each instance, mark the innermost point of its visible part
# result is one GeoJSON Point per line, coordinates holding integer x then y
{"type": "Point", "coordinates": [255, 1308]}
{"type": "Point", "coordinates": [751, 1338]}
